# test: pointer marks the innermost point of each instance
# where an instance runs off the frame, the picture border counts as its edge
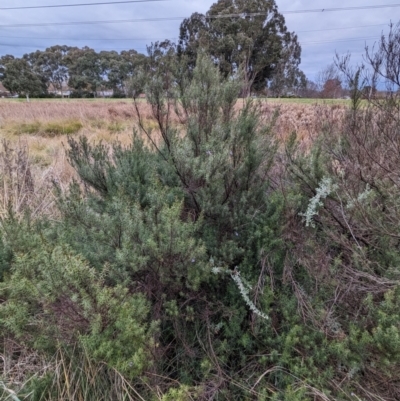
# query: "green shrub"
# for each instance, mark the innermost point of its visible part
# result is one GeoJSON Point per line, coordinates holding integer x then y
{"type": "Point", "coordinates": [206, 262]}
{"type": "Point", "coordinates": [166, 218]}
{"type": "Point", "coordinates": [53, 297]}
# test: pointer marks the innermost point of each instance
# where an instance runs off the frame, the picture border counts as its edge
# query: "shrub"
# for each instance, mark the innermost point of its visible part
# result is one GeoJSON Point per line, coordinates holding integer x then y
{"type": "Point", "coordinates": [344, 269]}
{"type": "Point", "coordinates": [54, 297]}
{"type": "Point", "coordinates": [163, 217]}
{"type": "Point", "coordinates": [208, 262]}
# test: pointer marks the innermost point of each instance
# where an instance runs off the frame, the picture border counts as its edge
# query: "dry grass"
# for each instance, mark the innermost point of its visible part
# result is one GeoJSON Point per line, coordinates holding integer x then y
{"type": "Point", "coordinates": [48, 110]}
{"type": "Point", "coordinates": [24, 185]}
{"type": "Point", "coordinates": [62, 378]}
{"type": "Point", "coordinates": [305, 120]}
{"type": "Point", "coordinates": [34, 137]}
{"type": "Point", "coordinates": [42, 126]}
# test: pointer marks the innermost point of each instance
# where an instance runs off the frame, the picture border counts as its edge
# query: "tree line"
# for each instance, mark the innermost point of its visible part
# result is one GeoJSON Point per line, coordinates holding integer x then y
{"type": "Point", "coordinates": [82, 70]}
{"type": "Point", "coordinates": [243, 38]}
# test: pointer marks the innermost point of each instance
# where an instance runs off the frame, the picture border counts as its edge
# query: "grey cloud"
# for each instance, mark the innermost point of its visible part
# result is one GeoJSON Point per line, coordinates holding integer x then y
{"type": "Point", "coordinates": [315, 55]}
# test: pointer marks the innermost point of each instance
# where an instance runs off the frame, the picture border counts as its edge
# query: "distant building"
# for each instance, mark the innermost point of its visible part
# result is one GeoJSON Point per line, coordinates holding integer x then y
{"type": "Point", "coordinates": [105, 93]}
{"type": "Point", "coordinates": [65, 92]}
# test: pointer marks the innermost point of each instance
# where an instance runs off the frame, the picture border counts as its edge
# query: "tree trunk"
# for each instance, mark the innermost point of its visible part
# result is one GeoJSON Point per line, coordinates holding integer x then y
{"type": "Point", "coordinates": [248, 80]}
{"type": "Point", "coordinates": [27, 97]}
{"type": "Point", "coordinates": [245, 91]}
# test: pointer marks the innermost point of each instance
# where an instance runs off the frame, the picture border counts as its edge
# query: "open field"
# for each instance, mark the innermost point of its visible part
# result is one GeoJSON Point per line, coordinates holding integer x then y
{"type": "Point", "coordinates": [43, 125]}
{"type": "Point", "coordinates": [38, 131]}
{"type": "Point", "coordinates": [125, 100]}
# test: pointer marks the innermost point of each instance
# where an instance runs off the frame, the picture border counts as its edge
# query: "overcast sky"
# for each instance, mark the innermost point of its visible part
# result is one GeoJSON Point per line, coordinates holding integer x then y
{"type": "Point", "coordinates": [320, 34]}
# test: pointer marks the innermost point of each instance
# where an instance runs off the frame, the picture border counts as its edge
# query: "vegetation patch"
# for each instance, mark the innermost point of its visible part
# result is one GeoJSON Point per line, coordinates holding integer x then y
{"type": "Point", "coordinates": [116, 126]}
{"type": "Point", "coordinates": [28, 128]}
{"type": "Point", "coordinates": [67, 127]}
{"type": "Point", "coordinates": [48, 128]}
{"type": "Point", "coordinates": [214, 256]}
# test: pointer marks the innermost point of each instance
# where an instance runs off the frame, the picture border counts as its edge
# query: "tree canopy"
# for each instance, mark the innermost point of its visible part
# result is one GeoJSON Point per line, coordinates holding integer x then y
{"type": "Point", "coordinates": [246, 38]}
{"type": "Point", "coordinates": [84, 70]}
{"type": "Point", "coordinates": [18, 77]}
{"type": "Point", "coordinates": [249, 37]}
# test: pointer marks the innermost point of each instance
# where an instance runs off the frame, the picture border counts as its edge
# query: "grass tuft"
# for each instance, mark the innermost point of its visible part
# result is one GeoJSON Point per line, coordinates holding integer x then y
{"type": "Point", "coordinates": [66, 127]}
{"type": "Point", "coordinates": [68, 376]}
{"type": "Point", "coordinates": [28, 128]}
{"type": "Point", "coordinates": [116, 126]}
{"type": "Point", "coordinates": [47, 129]}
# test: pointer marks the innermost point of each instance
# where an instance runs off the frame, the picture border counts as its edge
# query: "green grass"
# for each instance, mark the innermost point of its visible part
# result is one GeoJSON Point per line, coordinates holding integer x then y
{"type": "Point", "coordinates": [28, 128]}
{"type": "Point", "coordinates": [67, 127]}
{"type": "Point", "coordinates": [48, 129]}
{"type": "Point", "coordinates": [116, 126]}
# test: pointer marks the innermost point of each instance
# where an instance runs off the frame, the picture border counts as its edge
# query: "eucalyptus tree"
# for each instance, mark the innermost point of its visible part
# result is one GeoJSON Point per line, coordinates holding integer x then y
{"type": "Point", "coordinates": [84, 69]}
{"type": "Point", "coordinates": [249, 37]}
{"type": "Point", "coordinates": [118, 68]}
{"type": "Point", "coordinates": [287, 77]}
{"type": "Point", "coordinates": [3, 61]}
{"type": "Point", "coordinates": [50, 65]}
{"type": "Point", "coordinates": [18, 76]}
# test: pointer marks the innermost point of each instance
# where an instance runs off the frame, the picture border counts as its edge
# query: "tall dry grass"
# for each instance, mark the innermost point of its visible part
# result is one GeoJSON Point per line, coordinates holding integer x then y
{"type": "Point", "coordinates": [305, 120]}
{"type": "Point", "coordinates": [44, 124]}
{"type": "Point", "coordinates": [33, 140]}
{"type": "Point", "coordinates": [64, 109]}
{"type": "Point", "coordinates": [33, 135]}
{"type": "Point", "coordinates": [23, 185]}
{"type": "Point", "coordinates": [67, 376]}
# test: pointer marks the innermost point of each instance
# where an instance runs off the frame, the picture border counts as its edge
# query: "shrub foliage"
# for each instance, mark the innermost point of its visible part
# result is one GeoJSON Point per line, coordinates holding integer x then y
{"type": "Point", "coordinates": [208, 260]}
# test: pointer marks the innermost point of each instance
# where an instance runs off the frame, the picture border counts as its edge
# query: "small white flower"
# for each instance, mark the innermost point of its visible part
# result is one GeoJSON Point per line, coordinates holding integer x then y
{"type": "Point", "coordinates": [244, 292]}
{"type": "Point", "coordinates": [216, 270]}
{"type": "Point", "coordinates": [325, 188]}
